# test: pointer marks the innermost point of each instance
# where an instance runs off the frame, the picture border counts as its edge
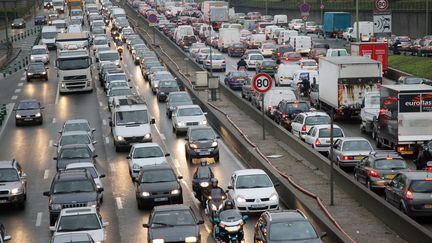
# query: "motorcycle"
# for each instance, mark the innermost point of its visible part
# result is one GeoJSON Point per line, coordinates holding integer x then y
{"type": "Point", "coordinates": [228, 227]}
{"type": "Point", "coordinates": [201, 185]}
{"type": "Point", "coordinates": [424, 156]}
{"type": "Point", "coordinates": [215, 204]}
{"type": "Point", "coordinates": [303, 94]}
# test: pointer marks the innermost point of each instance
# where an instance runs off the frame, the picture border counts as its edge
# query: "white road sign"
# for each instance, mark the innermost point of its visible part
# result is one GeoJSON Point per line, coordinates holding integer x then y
{"type": "Point", "coordinates": [382, 23]}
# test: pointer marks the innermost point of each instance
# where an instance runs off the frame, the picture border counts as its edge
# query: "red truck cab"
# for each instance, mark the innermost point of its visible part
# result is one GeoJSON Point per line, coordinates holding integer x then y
{"type": "Point", "coordinates": [375, 50]}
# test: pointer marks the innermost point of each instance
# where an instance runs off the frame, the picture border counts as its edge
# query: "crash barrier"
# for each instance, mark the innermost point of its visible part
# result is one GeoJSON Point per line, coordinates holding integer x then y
{"type": "Point", "coordinates": [3, 113]}
{"type": "Point", "coordinates": [394, 74]}
{"type": "Point", "coordinates": [23, 35]}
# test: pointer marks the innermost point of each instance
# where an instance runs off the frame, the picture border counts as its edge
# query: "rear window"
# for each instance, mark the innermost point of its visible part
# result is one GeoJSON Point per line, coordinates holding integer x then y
{"type": "Point", "coordinates": [390, 164]}
{"type": "Point", "coordinates": [325, 132]}
{"type": "Point", "coordinates": [299, 106]}
{"type": "Point", "coordinates": [421, 186]}
{"type": "Point", "coordinates": [317, 120]}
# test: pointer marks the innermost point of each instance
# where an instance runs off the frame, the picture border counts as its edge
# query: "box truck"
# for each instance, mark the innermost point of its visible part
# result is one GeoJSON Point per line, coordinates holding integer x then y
{"type": "Point", "coordinates": [404, 120]}
{"type": "Point", "coordinates": [335, 23]}
{"type": "Point", "coordinates": [227, 37]}
{"type": "Point", "coordinates": [375, 50]}
{"type": "Point", "coordinates": [344, 82]}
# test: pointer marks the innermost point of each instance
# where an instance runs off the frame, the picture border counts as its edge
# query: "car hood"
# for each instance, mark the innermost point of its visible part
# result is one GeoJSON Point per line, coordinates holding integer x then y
{"type": "Point", "coordinates": [78, 197]}
{"type": "Point", "coordinates": [62, 163]}
{"type": "Point", "coordinates": [174, 234]}
{"type": "Point", "coordinates": [10, 185]}
{"type": "Point", "coordinates": [158, 187]}
{"type": "Point", "coordinates": [203, 143]}
{"type": "Point", "coordinates": [255, 192]}
{"type": "Point", "coordinates": [175, 104]}
{"type": "Point", "coordinates": [132, 130]}
{"type": "Point", "coordinates": [27, 112]}
{"type": "Point", "coordinates": [96, 235]}
{"type": "Point", "coordinates": [149, 161]}
{"type": "Point", "coordinates": [191, 119]}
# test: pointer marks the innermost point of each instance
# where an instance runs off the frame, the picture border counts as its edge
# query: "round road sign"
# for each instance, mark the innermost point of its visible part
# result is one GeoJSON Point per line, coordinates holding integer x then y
{"type": "Point", "coordinates": [322, 6]}
{"type": "Point", "coordinates": [304, 8]}
{"type": "Point", "coordinates": [152, 18]}
{"type": "Point", "coordinates": [305, 17]}
{"type": "Point", "coordinates": [381, 5]}
{"type": "Point", "coordinates": [262, 82]}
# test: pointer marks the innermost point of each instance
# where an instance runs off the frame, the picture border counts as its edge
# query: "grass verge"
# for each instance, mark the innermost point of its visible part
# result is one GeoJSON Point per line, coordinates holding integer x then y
{"type": "Point", "coordinates": [418, 66]}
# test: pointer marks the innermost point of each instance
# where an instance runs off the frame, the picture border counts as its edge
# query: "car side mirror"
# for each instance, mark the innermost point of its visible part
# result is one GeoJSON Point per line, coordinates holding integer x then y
{"type": "Point", "coordinates": [110, 123]}
{"type": "Point", "coordinates": [99, 190]}
{"type": "Point", "coordinates": [146, 226]}
{"type": "Point", "coordinates": [152, 121]}
{"type": "Point", "coordinates": [7, 237]}
{"type": "Point", "coordinates": [128, 157]}
{"type": "Point", "coordinates": [93, 130]}
{"type": "Point", "coordinates": [167, 154]}
{"type": "Point", "coordinates": [179, 177]}
{"type": "Point", "coordinates": [55, 158]}
{"type": "Point", "coordinates": [55, 145]}
{"type": "Point", "coordinates": [95, 156]}
{"type": "Point", "coordinates": [47, 194]}
{"type": "Point", "coordinates": [129, 79]}
{"type": "Point", "coordinates": [230, 187]}
{"type": "Point", "coordinates": [42, 108]}
{"type": "Point", "coordinates": [24, 176]}
{"type": "Point", "coordinates": [102, 176]}
{"type": "Point", "coordinates": [217, 137]}
{"type": "Point", "coordinates": [323, 234]}
{"type": "Point", "coordinates": [276, 184]}
{"type": "Point", "coordinates": [52, 228]}
{"type": "Point", "coordinates": [60, 131]}
{"type": "Point", "coordinates": [94, 142]}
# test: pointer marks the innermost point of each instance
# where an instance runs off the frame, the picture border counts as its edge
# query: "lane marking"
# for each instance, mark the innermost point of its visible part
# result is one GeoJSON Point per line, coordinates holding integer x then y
{"type": "Point", "coordinates": [176, 163]}
{"type": "Point", "coordinates": [119, 203]}
{"type": "Point", "coordinates": [104, 122]}
{"type": "Point", "coordinates": [46, 174]}
{"type": "Point", "coordinates": [57, 94]}
{"type": "Point", "coordinates": [18, 91]}
{"type": "Point", "coordinates": [100, 104]}
{"type": "Point", "coordinates": [20, 84]}
{"type": "Point", "coordinates": [162, 136]}
{"type": "Point", "coordinates": [112, 167]}
{"type": "Point", "coordinates": [54, 120]}
{"type": "Point", "coordinates": [14, 97]}
{"type": "Point", "coordinates": [50, 143]}
{"type": "Point", "coordinates": [22, 78]}
{"type": "Point", "coordinates": [39, 219]}
{"type": "Point", "coordinates": [107, 140]}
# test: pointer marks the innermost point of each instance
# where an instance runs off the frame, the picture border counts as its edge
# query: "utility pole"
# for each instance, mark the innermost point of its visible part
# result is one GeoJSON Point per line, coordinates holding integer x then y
{"type": "Point", "coordinates": [6, 25]}
{"type": "Point", "coordinates": [266, 7]}
{"type": "Point", "coordinates": [427, 17]}
{"type": "Point", "coordinates": [211, 62]}
{"type": "Point", "coordinates": [357, 21]}
{"type": "Point", "coordinates": [331, 159]}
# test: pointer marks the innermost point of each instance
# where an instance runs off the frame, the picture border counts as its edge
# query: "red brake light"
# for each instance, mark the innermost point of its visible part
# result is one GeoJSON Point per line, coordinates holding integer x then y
{"type": "Point", "coordinates": [279, 54]}
{"type": "Point", "coordinates": [428, 169]}
{"type": "Point", "coordinates": [286, 58]}
{"type": "Point", "coordinates": [317, 142]}
{"type": "Point", "coordinates": [373, 173]}
{"type": "Point", "coordinates": [261, 68]}
{"type": "Point", "coordinates": [283, 115]}
{"type": "Point", "coordinates": [408, 195]}
{"type": "Point", "coordinates": [347, 157]}
{"type": "Point", "coordinates": [269, 107]}
{"type": "Point", "coordinates": [303, 129]}
{"type": "Point", "coordinates": [400, 149]}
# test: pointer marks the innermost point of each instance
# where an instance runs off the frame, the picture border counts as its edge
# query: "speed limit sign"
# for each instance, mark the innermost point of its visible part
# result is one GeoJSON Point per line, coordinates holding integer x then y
{"type": "Point", "coordinates": [262, 82]}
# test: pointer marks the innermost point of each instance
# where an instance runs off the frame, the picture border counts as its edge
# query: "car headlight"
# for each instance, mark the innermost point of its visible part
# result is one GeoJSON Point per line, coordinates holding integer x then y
{"type": "Point", "coordinates": [17, 116]}
{"type": "Point", "coordinates": [120, 138]}
{"type": "Point", "coordinates": [145, 194]}
{"type": "Point", "coordinates": [43, 73]}
{"type": "Point", "coordinates": [204, 122]}
{"type": "Point", "coordinates": [232, 228]}
{"type": "Point", "coordinates": [179, 124]}
{"type": "Point", "coordinates": [190, 239]}
{"type": "Point", "coordinates": [136, 167]}
{"type": "Point", "coordinates": [63, 85]}
{"type": "Point", "coordinates": [98, 186]}
{"type": "Point", "coordinates": [147, 136]}
{"type": "Point", "coordinates": [204, 184]}
{"type": "Point", "coordinates": [29, 74]}
{"type": "Point", "coordinates": [17, 191]}
{"type": "Point", "coordinates": [92, 204]}
{"type": "Point", "coordinates": [240, 199]}
{"type": "Point", "coordinates": [175, 192]}
{"type": "Point", "coordinates": [274, 196]}
{"type": "Point", "coordinates": [137, 58]}
{"type": "Point", "coordinates": [56, 206]}
{"type": "Point", "coordinates": [32, 58]}
{"type": "Point", "coordinates": [214, 144]}
{"type": "Point", "coordinates": [38, 114]}
{"type": "Point", "coordinates": [158, 241]}
{"type": "Point", "coordinates": [193, 146]}
{"type": "Point", "coordinates": [171, 108]}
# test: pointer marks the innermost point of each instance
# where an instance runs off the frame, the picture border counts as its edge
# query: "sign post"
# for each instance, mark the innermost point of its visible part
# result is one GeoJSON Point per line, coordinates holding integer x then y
{"type": "Point", "coordinates": [262, 83]}
{"type": "Point", "coordinates": [152, 19]}
{"type": "Point", "coordinates": [304, 10]}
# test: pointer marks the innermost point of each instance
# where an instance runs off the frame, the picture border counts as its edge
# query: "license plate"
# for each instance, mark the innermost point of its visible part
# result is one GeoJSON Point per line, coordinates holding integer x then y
{"type": "Point", "coordinates": [358, 157]}
{"type": "Point", "coordinates": [28, 119]}
{"type": "Point", "coordinates": [3, 201]}
{"type": "Point", "coordinates": [257, 206]}
{"type": "Point", "coordinates": [161, 199]}
{"type": "Point", "coordinates": [428, 205]}
{"type": "Point", "coordinates": [204, 153]}
{"type": "Point", "coordinates": [390, 177]}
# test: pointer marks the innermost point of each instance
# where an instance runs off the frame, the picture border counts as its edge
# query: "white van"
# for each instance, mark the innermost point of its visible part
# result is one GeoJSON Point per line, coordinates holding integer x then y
{"type": "Point", "coordinates": [299, 75]}
{"type": "Point", "coordinates": [366, 31]}
{"type": "Point", "coordinates": [60, 24]}
{"type": "Point", "coordinates": [280, 20]}
{"type": "Point", "coordinates": [227, 37]}
{"type": "Point", "coordinates": [181, 31]}
{"type": "Point", "coordinates": [301, 44]}
{"type": "Point", "coordinates": [268, 30]}
{"type": "Point", "coordinates": [256, 40]}
{"type": "Point", "coordinates": [285, 73]}
{"type": "Point", "coordinates": [276, 95]}
{"type": "Point", "coordinates": [236, 26]}
{"type": "Point", "coordinates": [337, 52]}
{"type": "Point", "coordinates": [285, 35]}
{"type": "Point", "coordinates": [49, 36]}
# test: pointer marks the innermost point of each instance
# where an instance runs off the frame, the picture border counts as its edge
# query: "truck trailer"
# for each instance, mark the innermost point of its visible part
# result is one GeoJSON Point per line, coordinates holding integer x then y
{"type": "Point", "coordinates": [375, 50]}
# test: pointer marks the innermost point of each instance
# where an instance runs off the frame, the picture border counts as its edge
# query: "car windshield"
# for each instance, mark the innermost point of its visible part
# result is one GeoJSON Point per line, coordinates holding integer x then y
{"type": "Point", "coordinates": [162, 76]}
{"type": "Point", "coordinates": [75, 153]}
{"type": "Point", "coordinates": [356, 146]}
{"type": "Point", "coordinates": [413, 80]}
{"type": "Point", "coordinates": [325, 132]}
{"type": "Point", "coordinates": [292, 231]}
{"type": "Point", "coordinates": [269, 63]}
{"type": "Point", "coordinates": [71, 186]}
{"type": "Point", "coordinates": [256, 57]}
{"type": "Point", "coordinates": [421, 186]}
{"type": "Point", "coordinates": [38, 51]}
{"type": "Point", "coordinates": [253, 181]}
{"type": "Point", "coordinates": [37, 67]}
{"type": "Point", "coordinates": [69, 127]}
{"type": "Point", "coordinates": [100, 42]}
{"type": "Point", "coordinates": [317, 120]}
{"type": "Point", "coordinates": [120, 92]}
{"type": "Point", "coordinates": [180, 98]}
{"type": "Point", "coordinates": [168, 84]}
{"type": "Point", "coordinates": [120, 76]}
{"type": "Point", "coordinates": [373, 101]}
{"type": "Point", "coordinates": [74, 63]}
{"type": "Point", "coordinates": [309, 64]}
{"type": "Point", "coordinates": [157, 176]}
{"type": "Point", "coordinates": [75, 139]}
{"type": "Point", "coordinates": [131, 117]}
{"type": "Point", "coordinates": [49, 35]}
{"type": "Point", "coordinates": [217, 57]}
{"type": "Point", "coordinates": [172, 218]}
{"type": "Point", "coordinates": [239, 75]}
{"type": "Point", "coordinates": [298, 106]}
{"type": "Point", "coordinates": [202, 134]}
{"type": "Point", "coordinates": [28, 106]}
{"type": "Point", "coordinates": [109, 56]}
{"type": "Point", "coordinates": [81, 222]}
{"type": "Point", "coordinates": [8, 175]}
{"type": "Point", "coordinates": [339, 53]}
{"type": "Point", "coordinates": [390, 164]}
{"type": "Point", "coordinates": [206, 50]}
{"type": "Point", "coordinates": [194, 111]}
{"type": "Point", "coordinates": [293, 55]}
{"type": "Point", "coordinates": [148, 152]}
{"type": "Point", "coordinates": [268, 46]}
{"type": "Point", "coordinates": [92, 170]}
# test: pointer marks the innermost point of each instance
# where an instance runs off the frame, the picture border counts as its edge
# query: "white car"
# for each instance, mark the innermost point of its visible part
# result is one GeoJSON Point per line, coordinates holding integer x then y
{"type": "Point", "coordinates": [252, 191]}
{"type": "Point", "coordinates": [74, 28]}
{"type": "Point", "coordinates": [185, 116]}
{"type": "Point", "coordinates": [285, 72]}
{"type": "Point", "coordinates": [77, 125]}
{"type": "Point", "coordinates": [253, 59]}
{"type": "Point", "coordinates": [99, 42]}
{"type": "Point", "coordinates": [39, 53]}
{"type": "Point", "coordinates": [217, 61]}
{"type": "Point", "coordinates": [75, 137]}
{"type": "Point", "coordinates": [309, 64]}
{"type": "Point", "coordinates": [118, 92]}
{"type": "Point", "coordinates": [90, 167]}
{"type": "Point", "coordinates": [303, 122]}
{"type": "Point", "coordinates": [319, 136]}
{"type": "Point", "coordinates": [82, 220]}
{"type": "Point", "coordinates": [144, 154]}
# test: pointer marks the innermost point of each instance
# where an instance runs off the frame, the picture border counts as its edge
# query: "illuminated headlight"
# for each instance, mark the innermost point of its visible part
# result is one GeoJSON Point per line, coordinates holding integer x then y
{"type": "Point", "coordinates": [204, 184]}
{"type": "Point", "coordinates": [120, 138]}
{"type": "Point", "coordinates": [145, 194]}
{"type": "Point", "coordinates": [17, 191]}
{"type": "Point", "coordinates": [191, 239]}
{"type": "Point", "coordinates": [232, 228]}
{"type": "Point", "coordinates": [147, 136]}
{"type": "Point", "coordinates": [214, 144]}
{"type": "Point", "coordinates": [18, 116]}
{"type": "Point", "coordinates": [118, 63]}
{"type": "Point", "coordinates": [158, 241]}
{"type": "Point", "coordinates": [137, 58]}
{"type": "Point", "coordinates": [38, 114]}
{"type": "Point", "coordinates": [214, 207]}
{"type": "Point", "coordinates": [56, 206]}
{"type": "Point", "coordinates": [92, 204]}
{"type": "Point", "coordinates": [29, 74]}
{"type": "Point", "coordinates": [171, 108]}
{"type": "Point", "coordinates": [98, 186]}
{"type": "Point", "coordinates": [63, 85]}
{"type": "Point", "coordinates": [43, 73]}
{"type": "Point", "coordinates": [156, 85]}
{"type": "Point", "coordinates": [193, 146]}
{"type": "Point", "coordinates": [136, 167]}
{"type": "Point", "coordinates": [274, 196]}
{"type": "Point", "coordinates": [175, 192]}
{"type": "Point", "coordinates": [204, 122]}
{"type": "Point", "coordinates": [179, 124]}
{"type": "Point", "coordinates": [32, 58]}
{"type": "Point", "coordinates": [240, 199]}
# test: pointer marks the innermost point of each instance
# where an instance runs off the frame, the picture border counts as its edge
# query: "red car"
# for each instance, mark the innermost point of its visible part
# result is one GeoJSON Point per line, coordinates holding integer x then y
{"type": "Point", "coordinates": [291, 57]}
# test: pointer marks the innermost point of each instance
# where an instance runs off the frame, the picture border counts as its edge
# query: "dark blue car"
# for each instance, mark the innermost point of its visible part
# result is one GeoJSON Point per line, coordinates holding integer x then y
{"type": "Point", "coordinates": [40, 20]}
{"type": "Point", "coordinates": [236, 79]}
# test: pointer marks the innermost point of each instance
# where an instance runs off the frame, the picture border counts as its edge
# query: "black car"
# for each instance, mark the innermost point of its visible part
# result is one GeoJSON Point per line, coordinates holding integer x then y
{"type": "Point", "coordinates": [278, 52]}
{"type": "Point", "coordinates": [287, 110]}
{"type": "Point", "coordinates": [173, 223]}
{"type": "Point", "coordinates": [237, 50]}
{"type": "Point", "coordinates": [285, 226]}
{"type": "Point", "coordinates": [36, 71]}
{"type": "Point", "coordinates": [40, 20]}
{"type": "Point", "coordinates": [165, 88]}
{"type": "Point", "coordinates": [201, 143]}
{"type": "Point", "coordinates": [72, 189]}
{"type": "Point", "coordinates": [28, 112]}
{"type": "Point", "coordinates": [3, 236]}
{"type": "Point", "coordinates": [74, 153]}
{"type": "Point", "coordinates": [158, 184]}
{"type": "Point", "coordinates": [18, 24]}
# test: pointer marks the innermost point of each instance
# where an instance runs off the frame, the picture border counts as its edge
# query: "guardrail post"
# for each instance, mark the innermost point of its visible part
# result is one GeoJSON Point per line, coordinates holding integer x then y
{"type": "Point", "coordinates": [3, 109]}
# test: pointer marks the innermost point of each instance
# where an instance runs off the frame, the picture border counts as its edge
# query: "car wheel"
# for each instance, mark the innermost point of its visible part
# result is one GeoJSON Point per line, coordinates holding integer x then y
{"type": "Point", "coordinates": [52, 220]}
{"type": "Point", "coordinates": [140, 204]}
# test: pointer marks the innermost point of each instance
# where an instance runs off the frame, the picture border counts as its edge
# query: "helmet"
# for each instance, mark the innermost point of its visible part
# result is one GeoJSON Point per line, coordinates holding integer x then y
{"type": "Point", "coordinates": [203, 162]}
{"type": "Point", "coordinates": [214, 182]}
{"type": "Point", "coordinates": [229, 205]}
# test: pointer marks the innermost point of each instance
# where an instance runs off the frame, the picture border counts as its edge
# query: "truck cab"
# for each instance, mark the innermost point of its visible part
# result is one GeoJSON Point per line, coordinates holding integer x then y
{"type": "Point", "coordinates": [74, 71]}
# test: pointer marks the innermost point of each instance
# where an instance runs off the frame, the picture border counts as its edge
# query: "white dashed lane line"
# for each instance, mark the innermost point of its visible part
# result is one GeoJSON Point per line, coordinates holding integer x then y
{"type": "Point", "coordinates": [119, 203]}
{"type": "Point", "coordinates": [50, 144]}
{"type": "Point", "coordinates": [38, 219]}
{"type": "Point", "coordinates": [14, 97]}
{"type": "Point", "coordinates": [54, 120]}
{"type": "Point", "coordinates": [22, 78]}
{"type": "Point", "coordinates": [20, 84]}
{"type": "Point", "coordinates": [46, 174]}
{"type": "Point", "coordinates": [107, 140]}
{"type": "Point", "coordinates": [104, 122]}
{"type": "Point", "coordinates": [18, 91]}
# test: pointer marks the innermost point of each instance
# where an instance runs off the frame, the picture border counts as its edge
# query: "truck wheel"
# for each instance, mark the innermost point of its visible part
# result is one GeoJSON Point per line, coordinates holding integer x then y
{"type": "Point", "coordinates": [378, 143]}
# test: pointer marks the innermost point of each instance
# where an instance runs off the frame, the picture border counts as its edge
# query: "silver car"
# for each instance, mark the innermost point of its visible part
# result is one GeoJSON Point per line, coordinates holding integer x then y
{"type": "Point", "coordinates": [216, 62]}
{"type": "Point", "coordinates": [13, 184]}
{"type": "Point", "coordinates": [349, 151]}
{"type": "Point", "coordinates": [176, 99]}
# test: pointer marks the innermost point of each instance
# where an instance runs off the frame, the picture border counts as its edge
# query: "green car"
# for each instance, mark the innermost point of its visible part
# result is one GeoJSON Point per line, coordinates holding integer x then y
{"type": "Point", "coordinates": [268, 67]}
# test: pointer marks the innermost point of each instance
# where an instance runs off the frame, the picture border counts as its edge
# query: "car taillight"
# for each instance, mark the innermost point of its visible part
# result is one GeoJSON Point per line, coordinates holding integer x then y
{"type": "Point", "coordinates": [347, 157]}
{"type": "Point", "coordinates": [400, 149]}
{"type": "Point", "coordinates": [208, 62]}
{"type": "Point", "coordinates": [317, 142]}
{"type": "Point", "coordinates": [429, 168]}
{"type": "Point", "coordinates": [408, 195]}
{"type": "Point", "coordinates": [286, 58]}
{"type": "Point", "coordinates": [373, 173]}
{"type": "Point", "coordinates": [269, 107]}
{"type": "Point", "coordinates": [279, 54]}
{"type": "Point", "coordinates": [303, 129]}
{"type": "Point", "coordinates": [261, 68]}
{"type": "Point", "coordinates": [284, 115]}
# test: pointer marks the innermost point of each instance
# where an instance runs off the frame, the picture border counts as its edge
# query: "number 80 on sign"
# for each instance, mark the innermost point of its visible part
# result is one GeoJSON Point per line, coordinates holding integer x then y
{"type": "Point", "coordinates": [262, 82]}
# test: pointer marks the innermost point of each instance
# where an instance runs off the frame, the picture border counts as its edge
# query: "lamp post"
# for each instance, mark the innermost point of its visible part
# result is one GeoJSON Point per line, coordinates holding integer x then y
{"type": "Point", "coordinates": [211, 61]}
{"type": "Point", "coordinates": [427, 17]}
{"type": "Point", "coordinates": [266, 7]}
{"type": "Point", "coordinates": [331, 158]}
{"type": "Point", "coordinates": [357, 21]}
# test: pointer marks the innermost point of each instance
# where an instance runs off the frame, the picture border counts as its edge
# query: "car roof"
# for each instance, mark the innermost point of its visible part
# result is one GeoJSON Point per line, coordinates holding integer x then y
{"type": "Point", "coordinates": [29, 100]}
{"type": "Point", "coordinates": [145, 145]}
{"type": "Point", "coordinates": [162, 208]}
{"type": "Point", "coordinates": [325, 126]}
{"type": "Point", "coordinates": [7, 164]}
{"type": "Point", "coordinates": [80, 165]}
{"type": "Point", "coordinates": [72, 121]}
{"type": "Point", "coordinates": [314, 113]}
{"type": "Point", "coordinates": [188, 106]}
{"type": "Point", "coordinates": [249, 172]}
{"type": "Point", "coordinates": [72, 146]}
{"type": "Point", "coordinates": [78, 211]}
{"type": "Point", "coordinates": [71, 237]}
{"type": "Point", "coordinates": [353, 139]}
{"type": "Point", "coordinates": [74, 133]}
{"type": "Point", "coordinates": [39, 47]}
{"type": "Point", "coordinates": [163, 166]}
{"type": "Point", "coordinates": [417, 175]}
{"type": "Point", "coordinates": [284, 215]}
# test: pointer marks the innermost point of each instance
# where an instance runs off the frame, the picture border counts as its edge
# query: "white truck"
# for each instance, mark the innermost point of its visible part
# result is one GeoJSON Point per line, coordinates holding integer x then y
{"type": "Point", "coordinates": [227, 37]}
{"type": "Point", "coordinates": [59, 5]}
{"type": "Point", "coordinates": [344, 81]}
{"type": "Point", "coordinates": [49, 36]}
{"type": "Point", "coordinates": [74, 71]}
{"type": "Point", "coordinates": [366, 31]}
{"type": "Point", "coordinates": [369, 109]}
{"type": "Point", "coordinates": [404, 120]}
{"type": "Point", "coordinates": [72, 40]}
{"type": "Point", "coordinates": [302, 44]}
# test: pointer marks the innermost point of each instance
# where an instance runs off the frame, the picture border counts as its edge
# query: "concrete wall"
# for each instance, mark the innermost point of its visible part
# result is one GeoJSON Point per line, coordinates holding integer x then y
{"type": "Point", "coordinates": [409, 23]}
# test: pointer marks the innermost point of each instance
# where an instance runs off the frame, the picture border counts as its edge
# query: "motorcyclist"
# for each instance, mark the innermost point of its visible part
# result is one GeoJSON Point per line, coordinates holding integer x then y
{"type": "Point", "coordinates": [214, 190]}
{"type": "Point", "coordinates": [203, 168]}
{"type": "Point", "coordinates": [241, 63]}
{"type": "Point", "coordinates": [304, 86]}
{"type": "Point", "coordinates": [202, 171]}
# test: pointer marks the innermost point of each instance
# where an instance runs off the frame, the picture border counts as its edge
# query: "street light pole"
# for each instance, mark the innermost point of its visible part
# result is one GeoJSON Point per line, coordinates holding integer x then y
{"type": "Point", "coordinates": [331, 159]}
{"type": "Point", "coordinates": [427, 17]}
{"type": "Point", "coordinates": [357, 21]}
{"type": "Point", "coordinates": [211, 62]}
{"type": "Point", "coordinates": [266, 7]}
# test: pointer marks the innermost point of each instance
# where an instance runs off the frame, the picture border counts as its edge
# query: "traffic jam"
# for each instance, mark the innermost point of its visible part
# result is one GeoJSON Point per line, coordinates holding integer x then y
{"type": "Point", "coordinates": [138, 132]}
